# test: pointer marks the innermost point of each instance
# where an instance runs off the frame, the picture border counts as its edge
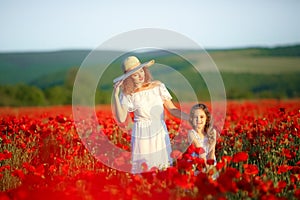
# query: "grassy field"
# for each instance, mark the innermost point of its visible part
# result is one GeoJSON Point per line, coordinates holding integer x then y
{"type": "Point", "coordinates": [250, 62]}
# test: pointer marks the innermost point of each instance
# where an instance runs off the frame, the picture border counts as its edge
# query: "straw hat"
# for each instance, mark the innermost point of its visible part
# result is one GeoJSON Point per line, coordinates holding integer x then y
{"type": "Point", "coordinates": [131, 65]}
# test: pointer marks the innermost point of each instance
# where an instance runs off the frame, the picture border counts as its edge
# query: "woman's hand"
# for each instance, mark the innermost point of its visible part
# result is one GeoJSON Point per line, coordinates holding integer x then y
{"type": "Point", "coordinates": [117, 87]}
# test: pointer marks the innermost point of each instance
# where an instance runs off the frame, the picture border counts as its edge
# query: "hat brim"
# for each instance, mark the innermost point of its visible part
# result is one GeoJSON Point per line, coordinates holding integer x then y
{"type": "Point", "coordinates": [129, 73]}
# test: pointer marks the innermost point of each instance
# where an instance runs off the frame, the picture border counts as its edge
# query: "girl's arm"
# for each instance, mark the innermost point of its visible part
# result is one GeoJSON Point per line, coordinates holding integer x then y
{"type": "Point", "coordinates": [211, 153]}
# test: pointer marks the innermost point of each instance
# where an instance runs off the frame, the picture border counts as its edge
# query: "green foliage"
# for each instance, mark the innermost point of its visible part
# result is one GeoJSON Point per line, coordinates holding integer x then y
{"type": "Point", "coordinates": [21, 95]}
{"type": "Point", "coordinates": [250, 86]}
{"type": "Point", "coordinates": [102, 97]}
{"type": "Point", "coordinates": [58, 95]}
{"type": "Point", "coordinates": [237, 86]}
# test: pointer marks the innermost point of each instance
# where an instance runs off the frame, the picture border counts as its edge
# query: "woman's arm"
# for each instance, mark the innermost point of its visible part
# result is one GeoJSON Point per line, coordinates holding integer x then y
{"type": "Point", "coordinates": [175, 111]}
{"type": "Point", "coordinates": [121, 110]}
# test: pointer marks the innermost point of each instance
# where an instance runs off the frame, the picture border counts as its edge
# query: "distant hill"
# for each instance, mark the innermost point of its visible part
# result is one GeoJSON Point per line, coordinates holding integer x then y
{"type": "Point", "coordinates": [28, 67]}
{"type": "Point", "coordinates": [247, 72]}
{"type": "Point", "coordinates": [36, 67]}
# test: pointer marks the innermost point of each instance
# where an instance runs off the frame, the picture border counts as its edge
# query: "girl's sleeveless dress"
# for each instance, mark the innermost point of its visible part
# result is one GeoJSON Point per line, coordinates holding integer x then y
{"type": "Point", "coordinates": [203, 143]}
{"type": "Point", "coordinates": [150, 142]}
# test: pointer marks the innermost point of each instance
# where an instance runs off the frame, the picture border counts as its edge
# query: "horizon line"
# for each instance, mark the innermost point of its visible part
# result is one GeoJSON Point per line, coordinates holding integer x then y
{"type": "Point", "coordinates": [184, 48]}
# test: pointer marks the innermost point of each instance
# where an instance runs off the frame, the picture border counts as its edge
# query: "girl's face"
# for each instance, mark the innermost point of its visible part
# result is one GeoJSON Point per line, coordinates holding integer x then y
{"type": "Point", "coordinates": [138, 77]}
{"type": "Point", "coordinates": [198, 119]}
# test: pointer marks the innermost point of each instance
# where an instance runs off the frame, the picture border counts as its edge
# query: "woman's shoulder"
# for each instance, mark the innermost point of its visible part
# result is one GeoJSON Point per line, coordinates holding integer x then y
{"type": "Point", "coordinates": [156, 83]}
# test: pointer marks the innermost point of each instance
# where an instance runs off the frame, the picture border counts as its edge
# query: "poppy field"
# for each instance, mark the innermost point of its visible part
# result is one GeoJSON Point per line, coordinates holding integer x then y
{"type": "Point", "coordinates": [258, 157]}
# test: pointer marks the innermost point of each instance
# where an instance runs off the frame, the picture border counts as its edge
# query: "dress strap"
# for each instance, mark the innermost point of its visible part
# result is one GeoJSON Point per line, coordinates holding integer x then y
{"type": "Point", "coordinates": [196, 136]}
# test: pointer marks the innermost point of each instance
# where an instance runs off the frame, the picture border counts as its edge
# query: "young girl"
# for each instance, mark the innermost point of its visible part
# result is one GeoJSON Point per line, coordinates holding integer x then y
{"type": "Point", "coordinates": [203, 135]}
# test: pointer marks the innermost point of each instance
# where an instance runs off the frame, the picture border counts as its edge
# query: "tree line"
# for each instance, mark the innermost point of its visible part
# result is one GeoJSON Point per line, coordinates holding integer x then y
{"type": "Point", "coordinates": [237, 86]}
{"type": "Point", "coordinates": [28, 95]}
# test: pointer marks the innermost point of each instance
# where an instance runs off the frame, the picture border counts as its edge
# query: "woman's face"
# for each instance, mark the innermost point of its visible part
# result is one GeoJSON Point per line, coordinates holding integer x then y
{"type": "Point", "coordinates": [138, 77]}
{"type": "Point", "coordinates": [198, 119]}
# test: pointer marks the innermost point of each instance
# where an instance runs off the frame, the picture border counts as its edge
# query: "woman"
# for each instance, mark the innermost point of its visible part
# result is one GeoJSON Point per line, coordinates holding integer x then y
{"type": "Point", "coordinates": [136, 92]}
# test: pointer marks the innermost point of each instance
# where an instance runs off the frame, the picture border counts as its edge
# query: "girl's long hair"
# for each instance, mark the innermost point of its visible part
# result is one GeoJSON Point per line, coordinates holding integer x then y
{"type": "Point", "coordinates": [128, 84]}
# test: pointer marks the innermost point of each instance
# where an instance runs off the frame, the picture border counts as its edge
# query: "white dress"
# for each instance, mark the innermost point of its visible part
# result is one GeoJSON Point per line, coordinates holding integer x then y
{"type": "Point", "coordinates": [150, 142]}
{"type": "Point", "coordinates": [203, 142]}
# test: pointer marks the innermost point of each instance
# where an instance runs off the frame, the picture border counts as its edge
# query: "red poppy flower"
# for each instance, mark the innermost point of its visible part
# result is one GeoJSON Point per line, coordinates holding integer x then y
{"type": "Point", "coordinates": [184, 164]}
{"type": "Point", "coordinates": [283, 168]}
{"type": "Point", "coordinates": [176, 154]}
{"type": "Point", "coordinates": [199, 150]}
{"type": "Point", "coordinates": [245, 185]}
{"type": "Point", "coordinates": [18, 173]}
{"type": "Point", "coordinates": [182, 180]}
{"type": "Point", "coordinates": [281, 185]}
{"type": "Point", "coordinates": [4, 167]}
{"type": "Point", "coordinates": [297, 194]}
{"type": "Point", "coordinates": [250, 169]}
{"type": "Point", "coordinates": [5, 155]}
{"type": "Point", "coordinates": [240, 157]}
{"type": "Point", "coordinates": [5, 139]}
{"type": "Point", "coordinates": [200, 163]}
{"type": "Point", "coordinates": [210, 161]}
{"type": "Point", "coordinates": [296, 170]}
{"type": "Point", "coordinates": [287, 153]}
{"type": "Point", "coordinates": [226, 159]}
{"type": "Point", "coordinates": [226, 180]}
{"type": "Point", "coordinates": [220, 165]}
{"type": "Point", "coordinates": [144, 166]}
{"type": "Point", "coordinates": [191, 149]}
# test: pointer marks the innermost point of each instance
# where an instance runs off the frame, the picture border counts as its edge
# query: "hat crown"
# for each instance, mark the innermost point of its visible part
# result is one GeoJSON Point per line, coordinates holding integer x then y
{"type": "Point", "coordinates": [130, 63]}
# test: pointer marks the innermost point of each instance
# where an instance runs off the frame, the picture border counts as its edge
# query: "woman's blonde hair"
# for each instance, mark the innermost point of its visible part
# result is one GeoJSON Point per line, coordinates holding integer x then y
{"type": "Point", "coordinates": [128, 84]}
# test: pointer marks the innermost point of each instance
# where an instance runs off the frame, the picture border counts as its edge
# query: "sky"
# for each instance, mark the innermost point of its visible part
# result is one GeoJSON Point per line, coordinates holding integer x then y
{"type": "Point", "coordinates": [36, 25]}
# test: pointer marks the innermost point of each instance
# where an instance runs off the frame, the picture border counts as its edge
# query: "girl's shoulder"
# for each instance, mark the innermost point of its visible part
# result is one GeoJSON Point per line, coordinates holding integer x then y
{"type": "Point", "coordinates": [193, 134]}
{"type": "Point", "coordinates": [190, 132]}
